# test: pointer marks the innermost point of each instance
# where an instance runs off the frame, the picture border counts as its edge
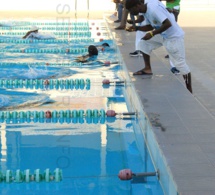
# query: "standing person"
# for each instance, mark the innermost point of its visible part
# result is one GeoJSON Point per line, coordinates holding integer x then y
{"type": "Point", "coordinates": [119, 7]}
{"type": "Point", "coordinates": [160, 22]}
{"type": "Point", "coordinates": [173, 6]}
{"type": "Point", "coordinates": [139, 34]}
{"type": "Point", "coordinates": [124, 16]}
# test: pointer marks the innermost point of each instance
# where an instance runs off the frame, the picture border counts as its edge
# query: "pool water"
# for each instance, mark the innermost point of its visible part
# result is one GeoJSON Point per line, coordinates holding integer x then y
{"type": "Point", "coordinates": [90, 151]}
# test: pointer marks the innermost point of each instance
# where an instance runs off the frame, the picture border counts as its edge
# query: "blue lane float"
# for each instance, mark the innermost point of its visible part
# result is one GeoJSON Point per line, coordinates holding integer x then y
{"type": "Point", "coordinates": [40, 64]}
{"type": "Point", "coordinates": [56, 50]}
{"type": "Point", "coordinates": [58, 34]}
{"type": "Point", "coordinates": [77, 120]}
{"type": "Point", "coordinates": [18, 176]}
{"type": "Point", "coordinates": [62, 28]}
{"type": "Point", "coordinates": [21, 41]}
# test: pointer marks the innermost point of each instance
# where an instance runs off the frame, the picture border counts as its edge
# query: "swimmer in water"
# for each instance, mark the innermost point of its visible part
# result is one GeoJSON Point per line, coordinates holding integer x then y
{"type": "Point", "coordinates": [33, 33]}
{"type": "Point", "coordinates": [92, 53]}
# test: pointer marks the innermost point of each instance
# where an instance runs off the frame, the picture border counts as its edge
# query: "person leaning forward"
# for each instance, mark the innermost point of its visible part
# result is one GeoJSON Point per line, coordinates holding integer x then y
{"type": "Point", "coordinates": [160, 23]}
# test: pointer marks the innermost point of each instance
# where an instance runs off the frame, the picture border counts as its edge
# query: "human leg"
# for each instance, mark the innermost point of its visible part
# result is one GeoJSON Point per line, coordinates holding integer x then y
{"type": "Point", "coordinates": [188, 82]}
{"type": "Point", "coordinates": [139, 36]}
{"type": "Point", "coordinates": [176, 13]}
{"type": "Point", "coordinates": [123, 20]}
{"type": "Point", "coordinates": [146, 47]}
{"type": "Point", "coordinates": [176, 50]}
{"type": "Point", "coordinates": [119, 10]}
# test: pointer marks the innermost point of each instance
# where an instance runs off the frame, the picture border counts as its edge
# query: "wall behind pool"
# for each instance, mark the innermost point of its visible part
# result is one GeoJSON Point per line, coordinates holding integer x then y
{"type": "Point", "coordinates": [84, 5]}
{"type": "Point", "coordinates": [64, 9]}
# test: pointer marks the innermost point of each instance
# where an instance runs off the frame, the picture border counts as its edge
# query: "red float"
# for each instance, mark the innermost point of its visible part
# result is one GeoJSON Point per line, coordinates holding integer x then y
{"type": "Point", "coordinates": [111, 113]}
{"type": "Point", "coordinates": [48, 114]}
{"type": "Point", "coordinates": [125, 174]}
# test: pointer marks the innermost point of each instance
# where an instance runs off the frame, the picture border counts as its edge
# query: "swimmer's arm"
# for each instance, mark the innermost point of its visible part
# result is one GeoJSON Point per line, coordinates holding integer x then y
{"type": "Point", "coordinates": [26, 35]}
{"type": "Point", "coordinates": [82, 58]}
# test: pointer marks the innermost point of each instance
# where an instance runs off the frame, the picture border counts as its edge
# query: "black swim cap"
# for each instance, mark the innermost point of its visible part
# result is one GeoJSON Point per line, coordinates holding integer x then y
{"type": "Point", "coordinates": [105, 45]}
{"type": "Point", "coordinates": [92, 50]}
{"type": "Point", "coordinates": [131, 3]}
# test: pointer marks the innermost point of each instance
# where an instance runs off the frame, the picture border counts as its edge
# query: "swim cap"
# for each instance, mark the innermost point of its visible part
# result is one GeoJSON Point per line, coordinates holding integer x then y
{"type": "Point", "coordinates": [92, 50]}
{"type": "Point", "coordinates": [34, 28]}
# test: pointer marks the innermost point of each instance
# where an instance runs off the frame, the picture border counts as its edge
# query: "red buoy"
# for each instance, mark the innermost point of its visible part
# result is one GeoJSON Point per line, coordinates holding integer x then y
{"type": "Point", "coordinates": [107, 63]}
{"type": "Point", "coordinates": [106, 81]}
{"type": "Point", "coordinates": [125, 174]}
{"type": "Point", "coordinates": [111, 113]}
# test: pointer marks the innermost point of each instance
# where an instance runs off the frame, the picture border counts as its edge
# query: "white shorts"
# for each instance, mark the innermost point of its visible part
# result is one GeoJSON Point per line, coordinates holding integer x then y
{"type": "Point", "coordinates": [174, 47]}
{"type": "Point", "coordinates": [151, 44]}
{"type": "Point", "coordinates": [176, 51]}
{"type": "Point", "coordinates": [139, 36]}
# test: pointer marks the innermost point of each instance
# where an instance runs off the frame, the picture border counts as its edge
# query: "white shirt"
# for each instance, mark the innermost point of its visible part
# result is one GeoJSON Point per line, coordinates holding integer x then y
{"type": "Point", "coordinates": [155, 15]}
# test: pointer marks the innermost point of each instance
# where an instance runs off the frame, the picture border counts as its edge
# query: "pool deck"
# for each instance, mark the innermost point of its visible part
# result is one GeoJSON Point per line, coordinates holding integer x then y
{"type": "Point", "coordinates": [183, 123]}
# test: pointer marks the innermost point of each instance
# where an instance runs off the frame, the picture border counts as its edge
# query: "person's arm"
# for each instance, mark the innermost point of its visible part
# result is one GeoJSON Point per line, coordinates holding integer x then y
{"type": "Point", "coordinates": [165, 25]}
{"type": "Point", "coordinates": [144, 28]}
{"type": "Point", "coordinates": [138, 20]}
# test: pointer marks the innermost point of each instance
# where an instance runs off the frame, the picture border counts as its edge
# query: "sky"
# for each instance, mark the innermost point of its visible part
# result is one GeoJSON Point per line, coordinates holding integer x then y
{"type": "Point", "coordinates": [56, 5]}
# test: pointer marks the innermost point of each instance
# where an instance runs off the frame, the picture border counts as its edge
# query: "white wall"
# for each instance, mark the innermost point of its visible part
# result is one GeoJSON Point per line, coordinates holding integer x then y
{"type": "Point", "coordinates": [53, 5]}
{"type": "Point", "coordinates": [198, 4]}
{"type": "Point", "coordinates": [97, 5]}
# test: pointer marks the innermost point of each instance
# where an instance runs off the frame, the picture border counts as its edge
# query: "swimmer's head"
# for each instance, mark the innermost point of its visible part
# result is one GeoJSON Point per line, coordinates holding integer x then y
{"type": "Point", "coordinates": [105, 45]}
{"type": "Point", "coordinates": [92, 50]}
{"type": "Point", "coordinates": [34, 28]}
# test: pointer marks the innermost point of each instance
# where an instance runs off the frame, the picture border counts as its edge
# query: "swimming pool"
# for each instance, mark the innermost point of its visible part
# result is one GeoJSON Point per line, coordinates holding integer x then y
{"type": "Point", "coordinates": [90, 150]}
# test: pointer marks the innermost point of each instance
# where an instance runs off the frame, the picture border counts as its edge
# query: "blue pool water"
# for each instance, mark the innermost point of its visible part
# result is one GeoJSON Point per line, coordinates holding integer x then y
{"type": "Point", "coordinates": [89, 151]}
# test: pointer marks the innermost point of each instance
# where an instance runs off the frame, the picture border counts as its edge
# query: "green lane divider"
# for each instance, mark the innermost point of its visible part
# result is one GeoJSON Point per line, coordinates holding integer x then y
{"type": "Point", "coordinates": [49, 83]}
{"type": "Point", "coordinates": [40, 64]}
{"type": "Point", "coordinates": [8, 176]}
{"type": "Point", "coordinates": [60, 23]}
{"type": "Point", "coordinates": [47, 23]}
{"type": "Point", "coordinates": [95, 113]}
{"type": "Point", "coordinates": [52, 114]}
